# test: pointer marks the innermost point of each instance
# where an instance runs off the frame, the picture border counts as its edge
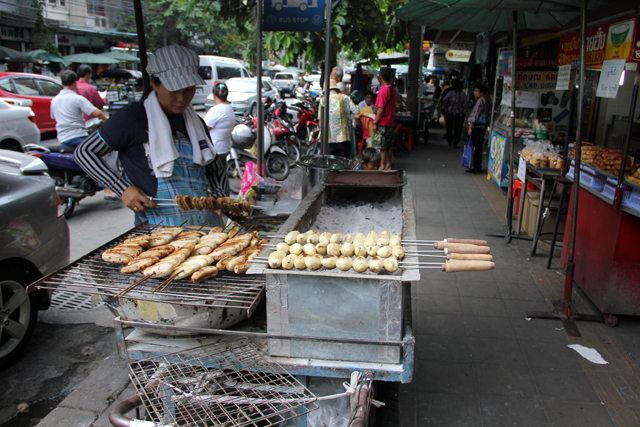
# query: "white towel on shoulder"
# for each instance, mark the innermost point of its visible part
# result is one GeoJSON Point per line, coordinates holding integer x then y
{"type": "Point", "coordinates": [161, 148]}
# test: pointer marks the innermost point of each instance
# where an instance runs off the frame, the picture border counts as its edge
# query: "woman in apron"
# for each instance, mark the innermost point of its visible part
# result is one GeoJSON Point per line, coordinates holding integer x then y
{"type": "Point", "coordinates": [163, 146]}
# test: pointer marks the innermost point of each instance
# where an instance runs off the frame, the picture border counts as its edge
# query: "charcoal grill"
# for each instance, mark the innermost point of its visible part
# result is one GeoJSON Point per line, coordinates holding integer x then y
{"type": "Point", "coordinates": [225, 384]}
{"type": "Point", "coordinates": [219, 302]}
{"type": "Point", "coordinates": [333, 303]}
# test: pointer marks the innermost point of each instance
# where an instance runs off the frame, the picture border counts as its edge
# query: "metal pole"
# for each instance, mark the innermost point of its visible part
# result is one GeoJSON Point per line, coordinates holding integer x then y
{"type": "Point", "coordinates": [260, 125]}
{"type": "Point", "coordinates": [142, 44]}
{"type": "Point", "coordinates": [625, 147]}
{"type": "Point", "coordinates": [512, 159]}
{"type": "Point", "coordinates": [327, 73]}
{"type": "Point", "coordinates": [576, 180]}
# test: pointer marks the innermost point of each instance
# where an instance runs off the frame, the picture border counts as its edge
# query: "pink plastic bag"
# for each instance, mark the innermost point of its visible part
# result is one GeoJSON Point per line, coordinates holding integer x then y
{"type": "Point", "coordinates": [247, 179]}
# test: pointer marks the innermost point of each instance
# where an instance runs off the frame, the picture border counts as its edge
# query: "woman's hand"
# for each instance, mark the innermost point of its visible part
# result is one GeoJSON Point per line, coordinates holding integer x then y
{"type": "Point", "coordinates": [136, 200]}
{"type": "Point", "coordinates": [470, 128]}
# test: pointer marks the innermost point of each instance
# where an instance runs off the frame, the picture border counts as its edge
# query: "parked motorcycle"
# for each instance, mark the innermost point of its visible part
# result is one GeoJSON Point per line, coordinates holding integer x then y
{"type": "Point", "coordinates": [308, 123]}
{"type": "Point", "coordinates": [284, 131]}
{"type": "Point", "coordinates": [243, 138]}
{"type": "Point", "coordinates": [72, 183]}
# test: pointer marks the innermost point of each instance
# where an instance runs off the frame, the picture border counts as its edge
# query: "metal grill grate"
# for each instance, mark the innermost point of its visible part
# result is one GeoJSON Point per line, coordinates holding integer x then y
{"type": "Point", "coordinates": [64, 300]}
{"type": "Point", "coordinates": [93, 276]}
{"type": "Point", "coordinates": [224, 384]}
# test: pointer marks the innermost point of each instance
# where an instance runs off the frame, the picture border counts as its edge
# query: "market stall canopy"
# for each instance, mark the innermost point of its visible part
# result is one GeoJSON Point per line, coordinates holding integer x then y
{"type": "Point", "coordinates": [121, 73]}
{"type": "Point", "coordinates": [43, 55]}
{"type": "Point", "coordinates": [15, 55]}
{"type": "Point", "coordinates": [489, 15]}
{"type": "Point", "coordinates": [90, 58]}
{"type": "Point", "coordinates": [120, 56]}
{"type": "Point", "coordinates": [389, 58]}
{"type": "Point", "coordinates": [404, 69]}
{"type": "Point", "coordinates": [296, 70]}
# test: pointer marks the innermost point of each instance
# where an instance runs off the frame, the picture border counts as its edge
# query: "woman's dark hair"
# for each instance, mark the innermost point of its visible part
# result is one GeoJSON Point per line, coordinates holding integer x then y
{"type": "Point", "coordinates": [481, 87]}
{"type": "Point", "coordinates": [156, 81]}
{"type": "Point", "coordinates": [221, 90]}
{"type": "Point", "coordinates": [68, 78]}
{"type": "Point", "coordinates": [456, 85]}
{"type": "Point", "coordinates": [370, 155]}
{"type": "Point", "coordinates": [83, 69]}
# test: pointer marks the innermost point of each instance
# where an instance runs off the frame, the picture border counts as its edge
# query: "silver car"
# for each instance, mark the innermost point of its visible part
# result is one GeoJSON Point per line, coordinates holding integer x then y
{"type": "Point", "coordinates": [286, 83]}
{"type": "Point", "coordinates": [17, 124]}
{"type": "Point", "coordinates": [34, 241]}
{"type": "Point", "coordinates": [242, 95]}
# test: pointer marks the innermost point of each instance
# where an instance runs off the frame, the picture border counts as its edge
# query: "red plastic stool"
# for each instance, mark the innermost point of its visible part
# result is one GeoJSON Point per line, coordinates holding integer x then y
{"type": "Point", "coordinates": [517, 186]}
{"type": "Point", "coordinates": [406, 137]}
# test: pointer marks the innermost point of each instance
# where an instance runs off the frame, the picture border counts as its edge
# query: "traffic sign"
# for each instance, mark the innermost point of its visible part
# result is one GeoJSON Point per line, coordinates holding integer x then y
{"type": "Point", "coordinates": [294, 15]}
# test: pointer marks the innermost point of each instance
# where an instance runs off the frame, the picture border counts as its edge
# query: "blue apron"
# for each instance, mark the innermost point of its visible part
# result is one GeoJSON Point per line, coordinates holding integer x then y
{"type": "Point", "coordinates": [187, 179]}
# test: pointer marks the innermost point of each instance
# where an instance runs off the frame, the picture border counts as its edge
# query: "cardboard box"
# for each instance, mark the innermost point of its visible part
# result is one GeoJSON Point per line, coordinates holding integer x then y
{"type": "Point", "coordinates": [530, 213]}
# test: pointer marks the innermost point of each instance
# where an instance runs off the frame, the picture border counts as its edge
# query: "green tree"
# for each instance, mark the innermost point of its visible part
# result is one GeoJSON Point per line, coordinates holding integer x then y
{"type": "Point", "coordinates": [365, 27]}
{"type": "Point", "coordinates": [171, 22]}
{"type": "Point", "coordinates": [42, 32]}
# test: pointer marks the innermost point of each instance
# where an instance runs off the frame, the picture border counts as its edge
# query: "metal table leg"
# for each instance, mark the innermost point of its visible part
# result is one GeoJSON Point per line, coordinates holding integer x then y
{"type": "Point", "coordinates": [538, 217]}
{"type": "Point", "coordinates": [566, 187]}
{"type": "Point", "coordinates": [545, 214]}
{"type": "Point", "coordinates": [523, 196]}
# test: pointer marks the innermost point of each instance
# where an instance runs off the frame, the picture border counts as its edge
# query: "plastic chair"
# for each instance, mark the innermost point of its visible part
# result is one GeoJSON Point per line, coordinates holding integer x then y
{"type": "Point", "coordinates": [366, 117]}
{"type": "Point", "coordinates": [517, 187]}
{"type": "Point", "coordinates": [408, 132]}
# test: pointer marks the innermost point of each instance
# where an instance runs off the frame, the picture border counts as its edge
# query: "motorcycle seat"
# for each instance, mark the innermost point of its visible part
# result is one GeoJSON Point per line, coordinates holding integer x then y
{"type": "Point", "coordinates": [59, 148]}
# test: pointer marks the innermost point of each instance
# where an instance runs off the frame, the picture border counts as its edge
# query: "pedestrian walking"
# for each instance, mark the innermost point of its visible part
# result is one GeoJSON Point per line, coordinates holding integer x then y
{"type": "Point", "coordinates": [383, 125]}
{"type": "Point", "coordinates": [67, 109]}
{"type": "Point", "coordinates": [478, 120]}
{"type": "Point", "coordinates": [455, 107]}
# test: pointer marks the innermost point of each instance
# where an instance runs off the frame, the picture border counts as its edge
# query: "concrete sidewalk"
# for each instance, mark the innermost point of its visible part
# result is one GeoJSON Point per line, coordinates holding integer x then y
{"type": "Point", "coordinates": [479, 361]}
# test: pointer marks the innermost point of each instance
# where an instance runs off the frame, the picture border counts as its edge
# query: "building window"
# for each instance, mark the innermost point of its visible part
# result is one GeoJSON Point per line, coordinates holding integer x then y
{"type": "Point", "coordinates": [63, 2]}
{"type": "Point", "coordinates": [96, 7]}
{"type": "Point", "coordinates": [53, 2]}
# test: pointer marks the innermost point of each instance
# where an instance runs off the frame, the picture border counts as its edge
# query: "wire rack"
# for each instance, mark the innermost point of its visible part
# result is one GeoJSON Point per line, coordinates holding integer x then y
{"type": "Point", "coordinates": [91, 275]}
{"type": "Point", "coordinates": [224, 384]}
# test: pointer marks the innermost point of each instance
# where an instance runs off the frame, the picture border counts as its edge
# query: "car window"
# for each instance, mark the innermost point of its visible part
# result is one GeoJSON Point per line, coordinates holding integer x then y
{"type": "Point", "coordinates": [5, 84]}
{"type": "Point", "coordinates": [226, 72]}
{"type": "Point", "coordinates": [284, 77]}
{"type": "Point", "coordinates": [205, 72]}
{"type": "Point", "coordinates": [49, 88]}
{"type": "Point", "coordinates": [26, 86]}
{"type": "Point", "coordinates": [266, 85]}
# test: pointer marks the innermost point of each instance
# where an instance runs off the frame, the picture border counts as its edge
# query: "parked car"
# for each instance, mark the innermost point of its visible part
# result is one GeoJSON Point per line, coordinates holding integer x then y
{"type": "Point", "coordinates": [34, 241]}
{"type": "Point", "coordinates": [216, 69]}
{"type": "Point", "coordinates": [286, 83]}
{"type": "Point", "coordinates": [39, 89]}
{"type": "Point", "coordinates": [17, 124]}
{"type": "Point", "coordinates": [242, 95]}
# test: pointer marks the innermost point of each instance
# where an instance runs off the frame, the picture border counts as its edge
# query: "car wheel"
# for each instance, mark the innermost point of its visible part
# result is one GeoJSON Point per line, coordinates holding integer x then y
{"type": "Point", "coordinates": [11, 145]}
{"type": "Point", "coordinates": [18, 313]}
{"type": "Point", "coordinates": [67, 203]}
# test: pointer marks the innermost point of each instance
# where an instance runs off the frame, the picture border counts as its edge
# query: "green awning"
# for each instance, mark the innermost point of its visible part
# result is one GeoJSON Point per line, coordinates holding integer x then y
{"type": "Point", "coordinates": [90, 58]}
{"type": "Point", "coordinates": [120, 56]}
{"type": "Point", "coordinates": [43, 55]}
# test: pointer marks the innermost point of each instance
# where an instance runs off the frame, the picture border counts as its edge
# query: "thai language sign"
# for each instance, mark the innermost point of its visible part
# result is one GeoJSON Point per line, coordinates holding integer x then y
{"type": "Point", "coordinates": [608, 41]}
{"type": "Point", "coordinates": [610, 78]}
{"type": "Point", "coordinates": [536, 79]}
{"type": "Point", "coordinates": [294, 15]}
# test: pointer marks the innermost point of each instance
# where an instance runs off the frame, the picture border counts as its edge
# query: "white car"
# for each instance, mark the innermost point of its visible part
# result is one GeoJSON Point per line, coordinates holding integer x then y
{"type": "Point", "coordinates": [242, 95]}
{"type": "Point", "coordinates": [17, 124]}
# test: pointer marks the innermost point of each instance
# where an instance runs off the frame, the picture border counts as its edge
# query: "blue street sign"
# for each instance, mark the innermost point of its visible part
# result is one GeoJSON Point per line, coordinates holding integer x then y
{"type": "Point", "coordinates": [294, 15]}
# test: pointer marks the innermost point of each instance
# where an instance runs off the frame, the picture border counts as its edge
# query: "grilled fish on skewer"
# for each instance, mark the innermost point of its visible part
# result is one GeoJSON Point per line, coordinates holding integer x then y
{"type": "Point", "coordinates": [142, 241]}
{"type": "Point", "coordinates": [204, 273]}
{"type": "Point", "coordinates": [116, 258]}
{"type": "Point", "coordinates": [157, 252]}
{"type": "Point", "coordinates": [136, 266]}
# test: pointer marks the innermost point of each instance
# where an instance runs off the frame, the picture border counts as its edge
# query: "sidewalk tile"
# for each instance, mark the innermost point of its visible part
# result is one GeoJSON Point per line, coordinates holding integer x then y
{"type": "Point", "coordinates": [563, 414]}
{"type": "Point", "coordinates": [478, 289]}
{"type": "Point", "coordinates": [562, 385]}
{"type": "Point", "coordinates": [498, 380]}
{"type": "Point", "coordinates": [520, 291]}
{"type": "Point", "coordinates": [445, 378]}
{"type": "Point", "coordinates": [441, 304]}
{"type": "Point", "coordinates": [496, 351]}
{"type": "Point", "coordinates": [551, 355]}
{"type": "Point", "coordinates": [488, 327]}
{"type": "Point", "coordinates": [498, 411]}
{"type": "Point", "coordinates": [437, 410]}
{"type": "Point", "coordinates": [430, 288]}
{"type": "Point", "coordinates": [440, 324]}
{"type": "Point", "coordinates": [539, 330]}
{"type": "Point", "coordinates": [442, 348]}
{"type": "Point", "coordinates": [483, 307]}
{"type": "Point", "coordinates": [518, 309]}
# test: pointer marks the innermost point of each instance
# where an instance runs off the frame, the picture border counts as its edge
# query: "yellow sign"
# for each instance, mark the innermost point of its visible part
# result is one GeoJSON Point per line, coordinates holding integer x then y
{"type": "Point", "coordinates": [620, 39]}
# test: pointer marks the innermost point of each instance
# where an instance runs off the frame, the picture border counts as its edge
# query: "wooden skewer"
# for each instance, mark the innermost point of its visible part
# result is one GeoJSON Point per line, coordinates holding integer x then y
{"type": "Point", "coordinates": [463, 241]}
{"type": "Point", "coordinates": [164, 284]}
{"type": "Point", "coordinates": [131, 286]}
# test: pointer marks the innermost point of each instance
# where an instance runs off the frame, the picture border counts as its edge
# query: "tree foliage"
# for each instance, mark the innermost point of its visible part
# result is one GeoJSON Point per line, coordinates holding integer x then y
{"type": "Point", "coordinates": [42, 32]}
{"type": "Point", "coordinates": [172, 22]}
{"type": "Point", "coordinates": [365, 27]}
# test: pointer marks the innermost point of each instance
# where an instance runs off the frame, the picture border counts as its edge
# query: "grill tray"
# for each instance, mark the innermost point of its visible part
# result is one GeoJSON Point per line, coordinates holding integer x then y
{"type": "Point", "coordinates": [91, 275]}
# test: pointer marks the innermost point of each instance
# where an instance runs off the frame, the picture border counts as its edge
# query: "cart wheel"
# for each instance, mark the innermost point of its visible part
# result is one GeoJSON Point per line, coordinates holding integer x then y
{"type": "Point", "coordinates": [610, 320]}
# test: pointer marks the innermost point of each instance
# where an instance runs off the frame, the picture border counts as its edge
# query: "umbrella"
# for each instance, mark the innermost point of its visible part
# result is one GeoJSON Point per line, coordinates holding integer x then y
{"type": "Point", "coordinates": [404, 69]}
{"type": "Point", "coordinates": [43, 55]}
{"type": "Point", "coordinates": [120, 56]}
{"type": "Point", "coordinates": [6, 52]}
{"type": "Point", "coordinates": [489, 15]}
{"type": "Point", "coordinates": [121, 73]}
{"type": "Point", "coordinates": [358, 81]}
{"type": "Point", "coordinates": [90, 58]}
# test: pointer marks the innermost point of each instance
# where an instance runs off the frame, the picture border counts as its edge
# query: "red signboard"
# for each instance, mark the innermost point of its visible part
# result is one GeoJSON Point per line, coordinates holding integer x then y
{"type": "Point", "coordinates": [536, 62]}
{"type": "Point", "coordinates": [608, 41]}
{"type": "Point", "coordinates": [127, 45]}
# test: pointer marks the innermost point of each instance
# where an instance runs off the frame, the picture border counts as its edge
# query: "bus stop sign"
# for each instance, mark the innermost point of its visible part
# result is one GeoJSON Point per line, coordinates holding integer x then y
{"type": "Point", "coordinates": [294, 15]}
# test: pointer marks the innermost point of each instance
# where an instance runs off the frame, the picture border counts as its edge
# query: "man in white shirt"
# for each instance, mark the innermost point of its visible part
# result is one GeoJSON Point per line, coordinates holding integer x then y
{"type": "Point", "coordinates": [367, 101]}
{"type": "Point", "coordinates": [67, 109]}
